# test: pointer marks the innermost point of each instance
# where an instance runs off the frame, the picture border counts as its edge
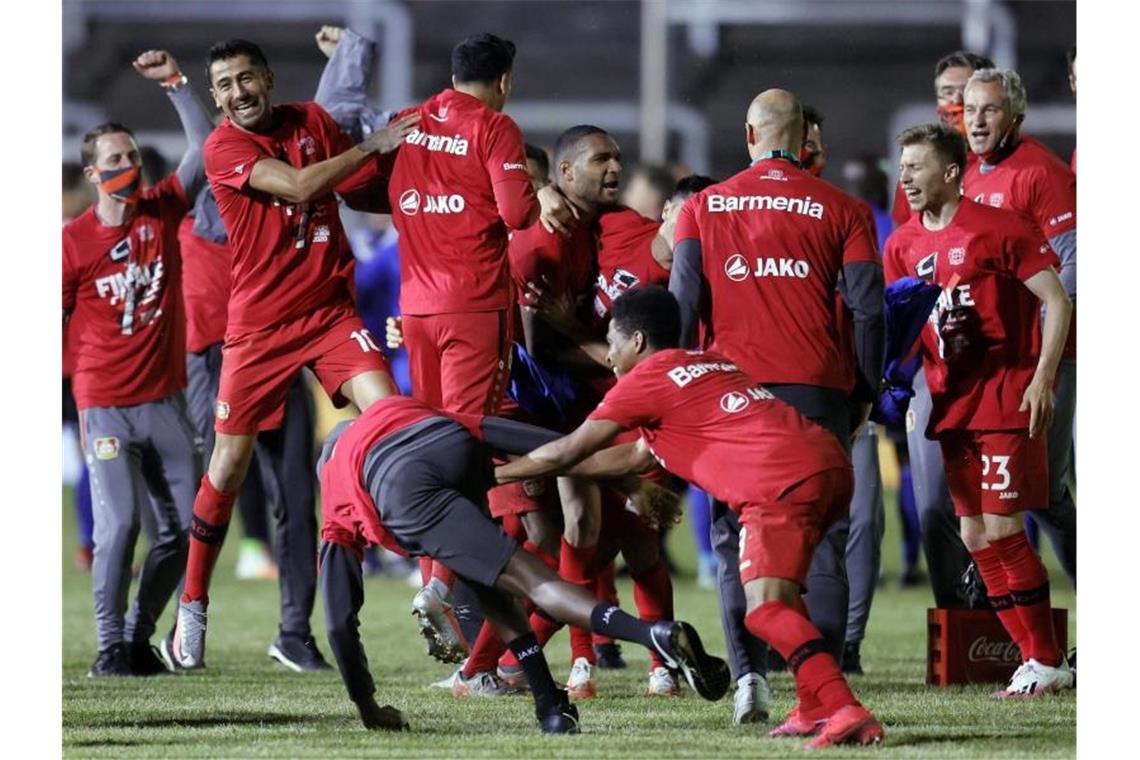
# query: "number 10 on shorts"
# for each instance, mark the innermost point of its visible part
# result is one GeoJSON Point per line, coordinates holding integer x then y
{"type": "Point", "coordinates": [364, 339]}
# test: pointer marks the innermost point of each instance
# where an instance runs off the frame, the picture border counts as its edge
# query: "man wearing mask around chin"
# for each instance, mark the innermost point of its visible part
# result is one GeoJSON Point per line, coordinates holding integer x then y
{"type": "Point", "coordinates": [122, 280]}
{"type": "Point", "coordinates": [1022, 175]}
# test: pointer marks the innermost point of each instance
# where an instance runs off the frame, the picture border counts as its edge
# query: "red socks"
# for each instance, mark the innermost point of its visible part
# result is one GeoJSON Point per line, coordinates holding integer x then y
{"type": "Point", "coordinates": [819, 683]}
{"type": "Point", "coordinates": [212, 512]}
{"type": "Point", "coordinates": [997, 588]}
{"type": "Point", "coordinates": [577, 566]}
{"type": "Point", "coordinates": [1028, 584]}
{"type": "Point", "coordinates": [653, 595]}
{"type": "Point", "coordinates": [485, 653]}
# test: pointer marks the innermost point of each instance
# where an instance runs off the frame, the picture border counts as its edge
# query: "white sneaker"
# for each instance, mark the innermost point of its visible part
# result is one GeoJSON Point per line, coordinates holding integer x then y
{"type": "Point", "coordinates": [1033, 679]}
{"type": "Point", "coordinates": [662, 684]}
{"type": "Point", "coordinates": [439, 626]}
{"type": "Point", "coordinates": [448, 682]}
{"type": "Point", "coordinates": [580, 685]}
{"type": "Point", "coordinates": [750, 703]}
{"type": "Point", "coordinates": [485, 684]}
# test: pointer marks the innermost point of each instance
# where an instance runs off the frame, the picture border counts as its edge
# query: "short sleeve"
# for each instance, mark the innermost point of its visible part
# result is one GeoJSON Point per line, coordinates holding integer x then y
{"type": "Point", "coordinates": [1024, 253]}
{"type": "Point", "coordinates": [230, 158]}
{"type": "Point", "coordinates": [534, 255]}
{"type": "Point", "coordinates": [1052, 197]}
{"type": "Point", "coordinates": [859, 241]}
{"type": "Point", "coordinates": [629, 231]}
{"type": "Point", "coordinates": [687, 221]}
{"type": "Point", "coordinates": [629, 404]}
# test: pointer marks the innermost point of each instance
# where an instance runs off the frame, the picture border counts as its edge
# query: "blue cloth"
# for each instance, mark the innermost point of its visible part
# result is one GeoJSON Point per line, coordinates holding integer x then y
{"type": "Point", "coordinates": [700, 511]}
{"type": "Point", "coordinates": [550, 394]}
{"type": "Point", "coordinates": [377, 277]}
{"type": "Point", "coordinates": [907, 306]}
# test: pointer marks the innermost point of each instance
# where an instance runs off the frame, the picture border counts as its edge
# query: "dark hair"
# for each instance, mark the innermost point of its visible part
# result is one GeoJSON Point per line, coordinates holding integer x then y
{"type": "Point", "coordinates": [1070, 56]}
{"type": "Point", "coordinates": [538, 155]}
{"type": "Point", "coordinates": [812, 116]}
{"type": "Point", "coordinates": [223, 51]}
{"type": "Point", "coordinates": [659, 178]}
{"type": "Point", "coordinates": [482, 58]}
{"type": "Point", "coordinates": [654, 311]}
{"type": "Point", "coordinates": [87, 147]}
{"type": "Point", "coordinates": [154, 164]}
{"type": "Point", "coordinates": [946, 142]}
{"type": "Point", "coordinates": [567, 142]}
{"type": "Point", "coordinates": [691, 185]}
{"type": "Point", "coordinates": [962, 58]}
{"type": "Point", "coordinates": [72, 176]}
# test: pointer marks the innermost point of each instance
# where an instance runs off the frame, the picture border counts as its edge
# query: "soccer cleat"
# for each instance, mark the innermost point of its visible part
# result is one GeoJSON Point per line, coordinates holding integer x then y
{"type": "Point", "coordinates": [680, 647]}
{"type": "Point", "coordinates": [797, 724]}
{"type": "Point", "coordinates": [750, 702]}
{"type": "Point", "coordinates": [853, 724]}
{"type": "Point", "coordinates": [145, 659]}
{"type": "Point", "coordinates": [255, 561]}
{"type": "Point", "coordinates": [1001, 693]}
{"type": "Point", "coordinates": [609, 656]}
{"type": "Point", "coordinates": [852, 663]}
{"type": "Point", "coordinates": [189, 644]}
{"type": "Point", "coordinates": [485, 684]}
{"type": "Point", "coordinates": [439, 626]}
{"type": "Point", "coordinates": [513, 676]}
{"type": "Point", "coordinates": [559, 718]}
{"type": "Point", "coordinates": [113, 661]}
{"type": "Point", "coordinates": [580, 684]}
{"type": "Point", "coordinates": [1033, 679]}
{"type": "Point", "coordinates": [297, 654]}
{"type": "Point", "coordinates": [662, 684]}
{"type": "Point", "coordinates": [447, 683]}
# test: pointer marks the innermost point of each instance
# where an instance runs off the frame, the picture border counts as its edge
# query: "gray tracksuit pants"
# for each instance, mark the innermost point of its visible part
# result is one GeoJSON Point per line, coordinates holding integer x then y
{"type": "Point", "coordinates": [864, 543]}
{"type": "Point", "coordinates": [145, 463]}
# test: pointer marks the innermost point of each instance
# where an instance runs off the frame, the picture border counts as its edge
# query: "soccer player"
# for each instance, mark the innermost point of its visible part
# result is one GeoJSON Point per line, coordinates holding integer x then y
{"type": "Point", "coordinates": [122, 287]}
{"type": "Point", "coordinates": [414, 479]}
{"type": "Point", "coordinates": [774, 312]}
{"type": "Point", "coordinates": [788, 479]}
{"type": "Point", "coordinates": [273, 170]}
{"type": "Point", "coordinates": [991, 367]}
{"type": "Point", "coordinates": [1018, 173]}
{"type": "Point", "coordinates": [458, 185]}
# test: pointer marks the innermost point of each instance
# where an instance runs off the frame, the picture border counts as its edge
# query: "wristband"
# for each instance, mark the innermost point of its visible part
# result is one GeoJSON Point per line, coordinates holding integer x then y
{"type": "Point", "coordinates": [175, 83]}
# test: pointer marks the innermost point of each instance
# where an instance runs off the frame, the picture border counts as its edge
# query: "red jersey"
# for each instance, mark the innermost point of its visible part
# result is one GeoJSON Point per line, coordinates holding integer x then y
{"type": "Point", "coordinates": [287, 258]}
{"type": "Point", "coordinates": [774, 240]}
{"type": "Point", "coordinates": [459, 183]}
{"type": "Point", "coordinates": [712, 425]}
{"type": "Point", "coordinates": [1037, 185]}
{"type": "Point", "coordinates": [205, 287]}
{"type": "Point", "coordinates": [625, 257]}
{"type": "Point", "coordinates": [992, 253]}
{"type": "Point", "coordinates": [349, 514]}
{"type": "Point", "coordinates": [556, 263]}
{"type": "Point", "coordinates": [123, 287]}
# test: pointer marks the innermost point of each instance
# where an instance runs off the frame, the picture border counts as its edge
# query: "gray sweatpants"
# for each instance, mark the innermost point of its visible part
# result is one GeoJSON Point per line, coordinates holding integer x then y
{"type": "Point", "coordinates": [285, 461]}
{"type": "Point", "coordinates": [864, 543]}
{"type": "Point", "coordinates": [827, 595]}
{"type": "Point", "coordinates": [145, 463]}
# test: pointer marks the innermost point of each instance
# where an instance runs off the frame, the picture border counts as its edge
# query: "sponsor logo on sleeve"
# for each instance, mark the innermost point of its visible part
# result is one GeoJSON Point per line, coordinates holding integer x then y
{"type": "Point", "coordinates": [957, 256]}
{"type": "Point", "coordinates": [106, 448]}
{"type": "Point", "coordinates": [512, 167]}
{"type": "Point", "coordinates": [1061, 218]}
{"type": "Point", "coordinates": [321, 233]}
{"type": "Point", "coordinates": [733, 402]}
{"type": "Point", "coordinates": [222, 410]}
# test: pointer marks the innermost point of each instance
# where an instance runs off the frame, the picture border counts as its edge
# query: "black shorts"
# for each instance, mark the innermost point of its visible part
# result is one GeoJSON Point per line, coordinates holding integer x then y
{"type": "Point", "coordinates": [429, 482]}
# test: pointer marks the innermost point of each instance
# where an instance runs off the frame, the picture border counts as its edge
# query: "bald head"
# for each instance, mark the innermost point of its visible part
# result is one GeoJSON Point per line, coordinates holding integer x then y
{"type": "Point", "coordinates": [775, 121]}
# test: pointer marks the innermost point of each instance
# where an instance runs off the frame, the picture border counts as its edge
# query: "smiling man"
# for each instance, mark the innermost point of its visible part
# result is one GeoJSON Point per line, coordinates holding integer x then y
{"type": "Point", "coordinates": [274, 171]}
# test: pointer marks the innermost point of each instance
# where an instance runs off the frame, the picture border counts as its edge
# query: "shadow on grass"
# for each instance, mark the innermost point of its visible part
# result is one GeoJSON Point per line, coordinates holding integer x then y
{"type": "Point", "coordinates": [916, 739]}
{"type": "Point", "coordinates": [202, 721]}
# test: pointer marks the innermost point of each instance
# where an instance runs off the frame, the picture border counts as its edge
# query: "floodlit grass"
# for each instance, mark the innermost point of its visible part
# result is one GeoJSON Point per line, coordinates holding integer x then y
{"type": "Point", "coordinates": [245, 705]}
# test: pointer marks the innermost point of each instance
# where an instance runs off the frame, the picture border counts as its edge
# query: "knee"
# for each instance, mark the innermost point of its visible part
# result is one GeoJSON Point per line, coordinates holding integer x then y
{"type": "Point", "coordinates": [974, 534]}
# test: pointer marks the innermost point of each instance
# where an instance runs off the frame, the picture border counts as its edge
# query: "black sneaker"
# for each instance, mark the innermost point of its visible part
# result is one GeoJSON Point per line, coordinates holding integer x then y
{"type": "Point", "coordinates": [609, 656]}
{"type": "Point", "coordinates": [679, 645]}
{"type": "Point", "coordinates": [560, 718]}
{"type": "Point", "coordinates": [852, 665]}
{"type": "Point", "coordinates": [297, 654]}
{"type": "Point", "coordinates": [145, 659]}
{"type": "Point", "coordinates": [112, 661]}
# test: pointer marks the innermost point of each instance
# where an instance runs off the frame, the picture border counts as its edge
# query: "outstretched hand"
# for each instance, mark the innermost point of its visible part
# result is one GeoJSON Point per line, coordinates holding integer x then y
{"type": "Point", "coordinates": [156, 65]}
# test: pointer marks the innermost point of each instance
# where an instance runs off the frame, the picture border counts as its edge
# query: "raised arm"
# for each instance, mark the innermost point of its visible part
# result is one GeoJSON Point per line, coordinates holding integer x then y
{"type": "Point", "coordinates": [343, 88]}
{"type": "Point", "coordinates": [160, 66]}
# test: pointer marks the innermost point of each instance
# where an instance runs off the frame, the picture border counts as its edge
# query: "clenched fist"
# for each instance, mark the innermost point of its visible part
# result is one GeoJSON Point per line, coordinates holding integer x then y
{"type": "Point", "coordinates": [156, 65]}
{"type": "Point", "coordinates": [328, 38]}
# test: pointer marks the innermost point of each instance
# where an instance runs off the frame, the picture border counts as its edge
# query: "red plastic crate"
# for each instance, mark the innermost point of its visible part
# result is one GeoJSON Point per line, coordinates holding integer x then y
{"type": "Point", "coordinates": [971, 646]}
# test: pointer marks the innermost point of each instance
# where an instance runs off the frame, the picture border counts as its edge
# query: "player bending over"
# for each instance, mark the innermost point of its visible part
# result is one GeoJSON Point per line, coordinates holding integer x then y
{"type": "Point", "coordinates": [704, 420]}
{"type": "Point", "coordinates": [414, 479]}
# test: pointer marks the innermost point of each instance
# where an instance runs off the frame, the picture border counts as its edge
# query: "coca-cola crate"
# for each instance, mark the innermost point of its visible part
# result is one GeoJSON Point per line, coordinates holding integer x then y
{"type": "Point", "coordinates": [971, 646]}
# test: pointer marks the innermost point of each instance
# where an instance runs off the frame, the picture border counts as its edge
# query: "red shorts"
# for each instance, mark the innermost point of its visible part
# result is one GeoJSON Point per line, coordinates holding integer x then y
{"type": "Point", "coordinates": [459, 362]}
{"type": "Point", "coordinates": [259, 367]}
{"type": "Point", "coordinates": [995, 473]}
{"type": "Point", "coordinates": [777, 539]}
{"type": "Point", "coordinates": [523, 497]}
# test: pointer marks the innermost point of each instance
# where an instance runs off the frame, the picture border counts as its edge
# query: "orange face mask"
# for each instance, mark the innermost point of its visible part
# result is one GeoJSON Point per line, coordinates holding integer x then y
{"type": "Point", "coordinates": [123, 184]}
{"type": "Point", "coordinates": [953, 116]}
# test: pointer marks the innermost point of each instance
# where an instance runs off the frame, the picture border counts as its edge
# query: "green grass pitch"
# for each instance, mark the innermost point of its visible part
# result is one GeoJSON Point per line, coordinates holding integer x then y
{"type": "Point", "coordinates": [245, 705]}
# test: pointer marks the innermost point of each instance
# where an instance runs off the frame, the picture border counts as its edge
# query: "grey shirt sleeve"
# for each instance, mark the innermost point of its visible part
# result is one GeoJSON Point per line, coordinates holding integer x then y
{"type": "Point", "coordinates": [1065, 245]}
{"type": "Point", "coordinates": [207, 219]}
{"type": "Point", "coordinates": [343, 88]}
{"type": "Point", "coordinates": [685, 281]}
{"type": "Point", "coordinates": [862, 290]}
{"type": "Point", "coordinates": [196, 124]}
{"type": "Point", "coordinates": [514, 437]}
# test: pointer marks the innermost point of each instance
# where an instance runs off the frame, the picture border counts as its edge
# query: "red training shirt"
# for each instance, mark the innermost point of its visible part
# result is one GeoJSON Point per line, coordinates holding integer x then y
{"type": "Point", "coordinates": [774, 240]}
{"type": "Point", "coordinates": [992, 252]}
{"type": "Point", "coordinates": [459, 183]}
{"type": "Point", "coordinates": [123, 287]}
{"type": "Point", "coordinates": [288, 259]}
{"type": "Point", "coordinates": [205, 287]}
{"type": "Point", "coordinates": [625, 257]}
{"type": "Point", "coordinates": [709, 423]}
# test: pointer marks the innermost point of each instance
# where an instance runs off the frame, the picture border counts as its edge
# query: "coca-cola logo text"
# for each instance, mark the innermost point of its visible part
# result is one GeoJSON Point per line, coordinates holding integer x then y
{"type": "Point", "coordinates": [984, 650]}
